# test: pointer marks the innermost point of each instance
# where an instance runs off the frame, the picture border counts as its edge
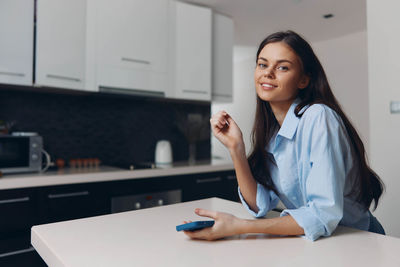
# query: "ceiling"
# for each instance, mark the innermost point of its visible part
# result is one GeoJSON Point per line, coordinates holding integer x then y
{"type": "Point", "coordinates": [255, 19]}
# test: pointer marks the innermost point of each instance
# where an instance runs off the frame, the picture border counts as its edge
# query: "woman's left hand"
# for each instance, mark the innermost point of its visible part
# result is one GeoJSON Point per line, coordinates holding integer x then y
{"type": "Point", "coordinates": [225, 225]}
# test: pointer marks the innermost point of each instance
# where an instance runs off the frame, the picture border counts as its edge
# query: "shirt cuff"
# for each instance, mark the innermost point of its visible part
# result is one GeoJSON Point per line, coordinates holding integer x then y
{"type": "Point", "coordinates": [306, 219]}
{"type": "Point", "coordinates": [263, 201]}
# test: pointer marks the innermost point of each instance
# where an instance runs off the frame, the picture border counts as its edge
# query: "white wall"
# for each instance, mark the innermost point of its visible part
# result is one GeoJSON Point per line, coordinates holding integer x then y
{"type": "Point", "coordinates": [383, 25]}
{"type": "Point", "coordinates": [244, 99]}
{"type": "Point", "coordinates": [345, 60]}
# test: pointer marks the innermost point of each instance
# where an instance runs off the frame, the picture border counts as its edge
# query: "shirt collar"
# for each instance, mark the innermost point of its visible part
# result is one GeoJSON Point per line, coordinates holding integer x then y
{"type": "Point", "coordinates": [290, 123]}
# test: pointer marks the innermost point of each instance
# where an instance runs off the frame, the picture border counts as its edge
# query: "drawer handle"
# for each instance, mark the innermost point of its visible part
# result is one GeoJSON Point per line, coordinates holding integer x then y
{"type": "Point", "coordinates": [75, 194]}
{"type": "Point", "coordinates": [231, 177]}
{"type": "Point", "coordinates": [136, 60]}
{"type": "Point", "coordinates": [113, 90]}
{"type": "Point", "coordinates": [14, 200]}
{"type": "Point", "coordinates": [16, 252]}
{"type": "Point", "coordinates": [208, 180]}
{"type": "Point", "coordinates": [194, 91]}
{"type": "Point", "coordinates": [59, 77]}
{"type": "Point", "coordinates": [221, 95]}
{"type": "Point", "coordinates": [12, 73]}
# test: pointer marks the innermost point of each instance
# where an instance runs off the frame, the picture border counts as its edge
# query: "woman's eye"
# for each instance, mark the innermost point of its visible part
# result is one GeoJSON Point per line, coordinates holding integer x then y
{"type": "Point", "coordinates": [284, 68]}
{"type": "Point", "coordinates": [262, 66]}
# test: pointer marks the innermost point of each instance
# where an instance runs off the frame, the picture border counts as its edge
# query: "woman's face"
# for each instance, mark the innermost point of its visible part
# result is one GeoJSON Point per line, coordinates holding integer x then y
{"type": "Point", "coordinates": [279, 74]}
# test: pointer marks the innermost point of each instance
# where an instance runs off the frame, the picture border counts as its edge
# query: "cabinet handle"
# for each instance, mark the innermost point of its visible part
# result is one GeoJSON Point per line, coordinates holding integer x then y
{"type": "Point", "coordinates": [135, 60]}
{"type": "Point", "coordinates": [208, 180]}
{"type": "Point", "coordinates": [222, 95]}
{"type": "Point", "coordinates": [194, 91]}
{"type": "Point", "coordinates": [75, 194]}
{"type": "Point", "coordinates": [12, 73]}
{"type": "Point", "coordinates": [63, 77]}
{"type": "Point", "coordinates": [135, 92]}
{"type": "Point", "coordinates": [16, 252]}
{"type": "Point", "coordinates": [231, 177]}
{"type": "Point", "coordinates": [14, 200]}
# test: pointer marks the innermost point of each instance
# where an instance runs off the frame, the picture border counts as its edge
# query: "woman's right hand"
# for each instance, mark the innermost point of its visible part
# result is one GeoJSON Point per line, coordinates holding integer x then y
{"type": "Point", "coordinates": [227, 131]}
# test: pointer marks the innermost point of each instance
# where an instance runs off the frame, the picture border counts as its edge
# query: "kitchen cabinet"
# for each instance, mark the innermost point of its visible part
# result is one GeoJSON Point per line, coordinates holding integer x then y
{"type": "Point", "coordinates": [24, 257]}
{"type": "Point", "coordinates": [68, 202]}
{"type": "Point", "coordinates": [190, 55]}
{"type": "Point", "coordinates": [129, 40]}
{"type": "Point", "coordinates": [18, 209]}
{"type": "Point", "coordinates": [222, 60]}
{"type": "Point", "coordinates": [16, 41]}
{"type": "Point", "coordinates": [19, 212]}
{"type": "Point", "coordinates": [218, 184]}
{"type": "Point", "coordinates": [61, 44]}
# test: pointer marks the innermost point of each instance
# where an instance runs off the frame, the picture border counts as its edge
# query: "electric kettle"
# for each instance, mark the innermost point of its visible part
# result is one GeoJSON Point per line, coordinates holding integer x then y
{"type": "Point", "coordinates": [163, 154]}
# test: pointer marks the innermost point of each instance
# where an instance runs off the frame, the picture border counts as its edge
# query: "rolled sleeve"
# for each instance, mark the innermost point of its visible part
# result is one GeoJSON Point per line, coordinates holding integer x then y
{"type": "Point", "coordinates": [266, 200]}
{"type": "Point", "coordinates": [324, 185]}
{"type": "Point", "coordinates": [313, 226]}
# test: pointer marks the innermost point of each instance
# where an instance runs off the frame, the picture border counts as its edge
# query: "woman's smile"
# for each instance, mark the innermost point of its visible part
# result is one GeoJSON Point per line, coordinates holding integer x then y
{"type": "Point", "coordinates": [268, 86]}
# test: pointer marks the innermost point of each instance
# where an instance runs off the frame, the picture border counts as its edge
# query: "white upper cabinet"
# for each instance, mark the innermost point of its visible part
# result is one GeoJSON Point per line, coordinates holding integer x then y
{"type": "Point", "coordinates": [222, 78]}
{"type": "Point", "coordinates": [61, 43]}
{"type": "Point", "coordinates": [190, 51]}
{"type": "Point", "coordinates": [16, 41]}
{"type": "Point", "coordinates": [130, 39]}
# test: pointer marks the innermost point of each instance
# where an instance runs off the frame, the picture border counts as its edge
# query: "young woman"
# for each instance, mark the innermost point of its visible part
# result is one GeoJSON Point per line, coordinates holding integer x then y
{"type": "Point", "coordinates": [305, 152]}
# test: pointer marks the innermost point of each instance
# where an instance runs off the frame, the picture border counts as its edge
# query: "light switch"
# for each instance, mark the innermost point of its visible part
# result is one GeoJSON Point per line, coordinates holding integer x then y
{"type": "Point", "coordinates": [395, 107]}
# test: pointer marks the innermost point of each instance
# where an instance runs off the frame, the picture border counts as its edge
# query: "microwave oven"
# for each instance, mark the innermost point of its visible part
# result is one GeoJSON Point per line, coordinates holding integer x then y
{"type": "Point", "coordinates": [20, 153]}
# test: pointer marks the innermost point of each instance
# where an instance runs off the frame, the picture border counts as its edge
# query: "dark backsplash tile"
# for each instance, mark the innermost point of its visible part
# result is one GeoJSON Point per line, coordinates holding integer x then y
{"type": "Point", "coordinates": [119, 130]}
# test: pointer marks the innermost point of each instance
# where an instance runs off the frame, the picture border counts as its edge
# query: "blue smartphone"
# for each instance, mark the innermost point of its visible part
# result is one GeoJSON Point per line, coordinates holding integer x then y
{"type": "Point", "coordinates": [194, 225]}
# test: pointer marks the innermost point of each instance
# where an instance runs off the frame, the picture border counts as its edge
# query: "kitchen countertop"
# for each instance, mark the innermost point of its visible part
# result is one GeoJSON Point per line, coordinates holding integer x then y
{"type": "Point", "coordinates": [104, 173]}
{"type": "Point", "coordinates": [148, 238]}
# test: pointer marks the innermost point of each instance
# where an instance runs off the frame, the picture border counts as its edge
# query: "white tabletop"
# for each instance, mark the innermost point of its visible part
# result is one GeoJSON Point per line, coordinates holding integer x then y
{"type": "Point", "coordinates": [148, 238]}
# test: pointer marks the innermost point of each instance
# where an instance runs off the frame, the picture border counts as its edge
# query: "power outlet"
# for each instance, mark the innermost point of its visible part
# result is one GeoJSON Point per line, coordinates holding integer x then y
{"type": "Point", "coordinates": [395, 107]}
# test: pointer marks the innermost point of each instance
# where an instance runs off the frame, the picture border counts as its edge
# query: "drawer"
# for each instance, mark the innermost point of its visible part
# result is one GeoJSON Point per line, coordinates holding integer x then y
{"type": "Point", "coordinates": [17, 251]}
{"type": "Point", "coordinates": [71, 202]}
{"type": "Point", "coordinates": [18, 209]}
{"type": "Point", "coordinates": [220, 184]}
{"type": "Point", "coordinates": [203, 186]}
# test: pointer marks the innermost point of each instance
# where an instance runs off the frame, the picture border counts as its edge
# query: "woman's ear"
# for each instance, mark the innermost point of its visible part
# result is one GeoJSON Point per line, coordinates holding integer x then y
{"type": "Point", "coordinates": [305, 80]}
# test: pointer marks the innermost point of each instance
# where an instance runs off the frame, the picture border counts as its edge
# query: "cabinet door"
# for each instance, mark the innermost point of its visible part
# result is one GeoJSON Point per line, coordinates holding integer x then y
{"type": "Point", "coordinates": [61, 43]}
{"type": "Point", "coordinates": [230, 188]}
{"type": "Point", "coordinates": [21, 257]}
{"type": "Point", "coordinates": [69, 202]}
{"type": "Point", "coordinates": [222, 79]}
{"type": "Point", "coordinates": [201, 186]}
{"type": "Point", "coordinates": [192, 51]}
{"type": "Point", "coordinates": [18, 209]}
{"type": "Point", "coordinates": [16, 41]}
{"type": "Point", "coordinates": [131, 44]}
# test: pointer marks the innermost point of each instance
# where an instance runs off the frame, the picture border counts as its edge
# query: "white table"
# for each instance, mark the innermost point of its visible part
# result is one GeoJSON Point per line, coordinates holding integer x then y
{"type": "Point", "coordinates": [148, 238]}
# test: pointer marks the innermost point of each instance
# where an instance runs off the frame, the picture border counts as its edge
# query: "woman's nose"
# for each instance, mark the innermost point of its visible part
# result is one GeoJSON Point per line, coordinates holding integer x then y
{"type": "Point", "coordinates": [269, 72]}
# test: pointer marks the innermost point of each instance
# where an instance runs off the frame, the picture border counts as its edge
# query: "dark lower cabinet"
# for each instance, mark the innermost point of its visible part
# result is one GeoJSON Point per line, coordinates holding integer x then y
{"type": "Point", "coordinates": [22, 258]}
{"type": "Point", "coordinates": [230, 190]}
{"type": "Point", "coordinates": [69, 202]}
{"type": "Point", "coordinates": [17, 251]}
{"type": "Point", "coordinates": [202, 186]}
{"type": "Point", "coordinates": [20, 209]}
{"type": "Point", "coordinates": [218, 184]}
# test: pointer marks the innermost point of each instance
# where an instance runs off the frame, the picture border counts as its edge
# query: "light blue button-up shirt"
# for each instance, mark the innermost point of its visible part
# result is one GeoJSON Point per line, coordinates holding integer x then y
{"type": "Point", "coordinates": [310, 162]}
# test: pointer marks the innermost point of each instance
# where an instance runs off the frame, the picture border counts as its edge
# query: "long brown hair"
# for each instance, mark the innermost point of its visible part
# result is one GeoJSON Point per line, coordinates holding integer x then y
{"type": "Point", "coordinates": [367, 185]}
